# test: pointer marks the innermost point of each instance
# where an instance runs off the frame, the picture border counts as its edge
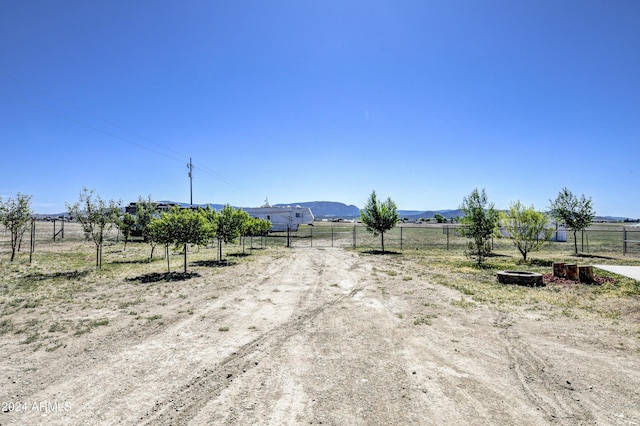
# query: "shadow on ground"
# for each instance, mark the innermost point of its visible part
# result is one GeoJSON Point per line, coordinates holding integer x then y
{"type": "Point", "coordinates": [69, 275]}
{"type": "Point", "coordinates": [165, 276]}
{"type": "Point", "coordinates": [380, 252]}
{"type": "Point", "coordinates": [213, 263]}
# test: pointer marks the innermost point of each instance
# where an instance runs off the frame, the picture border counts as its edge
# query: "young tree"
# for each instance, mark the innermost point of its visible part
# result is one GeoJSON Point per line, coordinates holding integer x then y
{"type": "Point", "coordinates": [576, 214]}
{"type": "Point", "coordinates": [15, 214]}
{"type": "Point", "coordinates": [527, 227]}
{"type": "Point", "coordinates": [480, 221]}
{"type": "Point", "coordinates": [253, 226]}
{"type": "Point", "coordinates": [125, 222]}
{"type": "Point", "coordinates": [228, 226]}
{"type": "Point", "coordinates": [379, 217]}
{"type": "Point", "coordinates": [96, 217]}
{"type": "Point", "coordinates": [146, 211]}
{"type": "Point", "coordinates": [189, 227]}
{"type": "Point", "coordinates": [160, 231]}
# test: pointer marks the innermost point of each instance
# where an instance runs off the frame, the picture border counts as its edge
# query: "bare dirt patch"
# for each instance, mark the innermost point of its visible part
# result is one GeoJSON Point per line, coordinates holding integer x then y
{"type": "Point", "coordinates": [312, 336]}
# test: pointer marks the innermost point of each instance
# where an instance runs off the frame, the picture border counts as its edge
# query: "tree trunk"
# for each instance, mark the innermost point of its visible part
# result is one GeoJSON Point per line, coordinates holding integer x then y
{"type": "Point", "coordinates": [166, 254]}
{"type": "Point", "coordinates": [185, 258]}
{"type": "Point", "coordinates": [559, 269]}
{"type": "Point", "coordinates": [382, 238]}
{"type": "Point", "coordinates": [585, 274]}
{"type": "Point", "coordinates": [572, 271]}
{"type": "Point", "coordinates": [575, 240]}
{"type": "Point", "coordinates": [13, 247]}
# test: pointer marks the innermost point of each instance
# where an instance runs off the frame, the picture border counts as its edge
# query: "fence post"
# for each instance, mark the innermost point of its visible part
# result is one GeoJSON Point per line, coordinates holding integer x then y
{"type": "Point", "coordinates": [311, 236]}
{"type": "Point", "coordinates": [447, 228]}
{"type": "Point", "coordinates": [332, 236]}
{"type": "Point", "coordinates": [354, 236]}
{"type": "Point", "coordinates": [32, 247]}
{"type": "Point", "coordinates": [624, 241]}
{"type": "Point", "coordinates": [401, 238]}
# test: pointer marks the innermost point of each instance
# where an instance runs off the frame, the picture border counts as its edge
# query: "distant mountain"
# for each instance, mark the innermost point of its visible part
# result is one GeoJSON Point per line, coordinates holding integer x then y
{"type": "Point", "coordinates": [328, 209]}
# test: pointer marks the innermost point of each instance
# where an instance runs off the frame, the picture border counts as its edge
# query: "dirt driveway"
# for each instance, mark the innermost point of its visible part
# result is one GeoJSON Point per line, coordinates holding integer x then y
{"type": "Point", "coordinates": [325, 336]}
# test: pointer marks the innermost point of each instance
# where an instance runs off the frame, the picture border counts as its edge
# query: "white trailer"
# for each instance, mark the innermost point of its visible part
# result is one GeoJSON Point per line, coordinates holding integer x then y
{"type": "Point", "coordinates": [282, 218]}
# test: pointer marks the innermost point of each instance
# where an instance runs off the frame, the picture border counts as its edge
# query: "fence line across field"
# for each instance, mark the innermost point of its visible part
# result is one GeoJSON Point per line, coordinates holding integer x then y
{"type": "Point", "coordinates": [599, 238]}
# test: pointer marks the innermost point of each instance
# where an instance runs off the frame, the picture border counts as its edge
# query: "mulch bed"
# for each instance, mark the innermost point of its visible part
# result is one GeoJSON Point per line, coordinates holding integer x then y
{"type": "Point", "coordinates": [597, 280]}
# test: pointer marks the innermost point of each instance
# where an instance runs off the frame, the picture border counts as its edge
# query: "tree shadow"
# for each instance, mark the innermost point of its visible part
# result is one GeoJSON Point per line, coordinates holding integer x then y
{"type": "Point", "coordinates": [496, 255]}
{"type": "Point", "coordinates": [132, 261]}
{"type": "Point", "coordinates": [213, 263]}
{"type": "Point", "coordinates": [164, 276]}
{"type": "Point", "coordinates": [68, 275]}
{"type": "Point", "coordinates": [239, 254]}
{"type": "Point", "coordinates": [380, 252]}
{"type": "Point", "coordinates": [591, 256]}
{"type": "Point", "coordinates": [536, 262]}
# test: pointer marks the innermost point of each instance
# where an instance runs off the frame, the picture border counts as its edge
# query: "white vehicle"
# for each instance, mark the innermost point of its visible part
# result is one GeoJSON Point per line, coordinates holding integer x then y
{"type": "Point", "coordinates": [282, 218]}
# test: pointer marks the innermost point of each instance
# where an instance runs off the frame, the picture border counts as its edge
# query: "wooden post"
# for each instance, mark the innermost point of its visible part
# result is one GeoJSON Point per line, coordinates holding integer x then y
{"type": "Point", "coordinates": [572, 271]}
{"type": "Point", "coordinates": [447, 237]}
{"type": "Point", "coordinates": [32, 246]}
{"type": "Point", "coordinates": [559, 269]}
{"type": "Point", "coordinates": [354, 236]}
{"type": "Point", "coordinates": [585, 274]}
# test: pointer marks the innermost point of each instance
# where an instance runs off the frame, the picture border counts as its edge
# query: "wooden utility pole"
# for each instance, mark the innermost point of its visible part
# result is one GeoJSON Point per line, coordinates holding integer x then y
{"type": "Point", "coordinates": [190, 167]}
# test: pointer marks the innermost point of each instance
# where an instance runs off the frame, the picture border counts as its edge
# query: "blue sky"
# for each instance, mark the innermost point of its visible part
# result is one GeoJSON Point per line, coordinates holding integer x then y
{"type": "Point", "coordinates": [297, 100]}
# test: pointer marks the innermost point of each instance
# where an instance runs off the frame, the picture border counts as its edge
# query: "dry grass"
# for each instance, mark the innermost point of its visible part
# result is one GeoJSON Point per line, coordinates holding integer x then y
{"type": "Point", "coordinates": [34, 297]}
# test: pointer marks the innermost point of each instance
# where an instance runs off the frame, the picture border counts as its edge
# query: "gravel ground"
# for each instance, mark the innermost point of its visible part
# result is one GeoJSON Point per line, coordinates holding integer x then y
{"type": "Point", "coordinates": [325, 336]}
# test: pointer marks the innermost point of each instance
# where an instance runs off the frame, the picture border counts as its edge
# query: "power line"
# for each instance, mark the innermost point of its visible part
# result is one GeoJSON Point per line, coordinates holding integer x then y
{"type": "Point", "coordinates": [88, 126]}
{"type": "Point", "coordinates": [205, 169]}
{"type": "Point", "coordinates": [82, 110]}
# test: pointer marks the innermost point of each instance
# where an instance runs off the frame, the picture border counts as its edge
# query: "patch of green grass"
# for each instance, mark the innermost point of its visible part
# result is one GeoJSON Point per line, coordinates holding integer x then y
{"type": "Point", "coordinates": [129, 303]}
{"type": "Point", "coordinates": [422, 320]}
{"type": "Point", "coordinates": [55, 345]}
{"type": "Point", "coordinates": [32, 336]}
{"type": "Point", "coordinates": [225, 328]}
{"type": "Point", "coordinates": [85, 326]}
{"type": "Point", "coordinates": [6, 326]}
{"type": "Point", "coordinates": [462, 303]}
{"type": "Point", "coordinates": [56, 327]}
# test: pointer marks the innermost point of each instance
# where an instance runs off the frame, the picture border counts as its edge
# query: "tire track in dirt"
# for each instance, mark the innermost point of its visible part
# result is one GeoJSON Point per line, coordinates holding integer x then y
{"type": "Point", "coordinates": [132, 375]}
{"type": "Point", "coordinates": [537, 379]}
{"type": "Point", "coordinates": [193, 396]}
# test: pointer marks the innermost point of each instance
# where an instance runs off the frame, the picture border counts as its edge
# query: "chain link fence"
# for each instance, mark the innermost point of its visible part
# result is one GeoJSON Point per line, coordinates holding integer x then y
{"type": "Point", "coordinates": [604, 239]}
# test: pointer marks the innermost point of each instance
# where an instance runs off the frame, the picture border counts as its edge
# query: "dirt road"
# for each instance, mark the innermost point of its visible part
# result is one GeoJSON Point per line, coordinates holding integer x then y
{"type": "Point", "coordinates": [326, 336]}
